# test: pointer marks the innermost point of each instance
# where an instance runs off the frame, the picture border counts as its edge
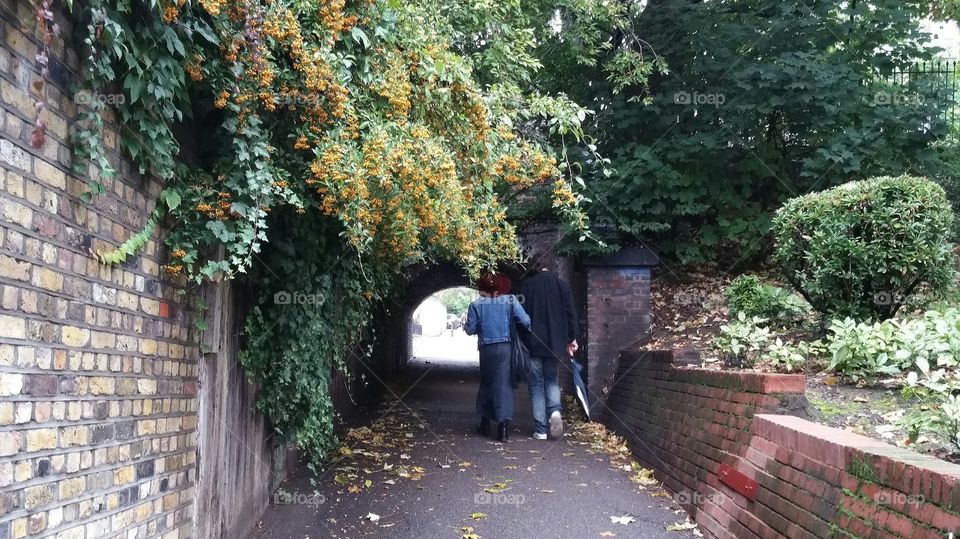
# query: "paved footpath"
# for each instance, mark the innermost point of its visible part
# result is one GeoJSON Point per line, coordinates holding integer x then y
{"type": "Point", "coordinates": [420, 470]}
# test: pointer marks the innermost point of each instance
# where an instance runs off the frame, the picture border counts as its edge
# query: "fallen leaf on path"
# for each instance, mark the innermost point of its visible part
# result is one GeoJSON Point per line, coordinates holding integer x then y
{"type": "Point", "coordinates": [478, 516]}
{"type": "Point", "coordinates": [607, 534]}
{"type": "Point", "coordinates": [496, 488]}
{"type": "Point", "coordinates": [861, 399]}
{"type": "Point", "coordinates": [372, 517]}
{"type": "Point", "coordinates": [390, 482]}
{"type": "Point", "coordinates": [354, 489]}
{"type": "Point", "coordinates": [681, 526]}
{"type": "Point", "coordinates": [404, 456]}
{"type": "Point", "coordinates": [546, 491]}
{"type": "Point", "coordinates": [625, 519]}
{"type": "Point", "coordinates": [368, 483]}
{"type": "Point", "coordinates": [465, 465]}
{"type": "Point", "coordinates": [468, 533]}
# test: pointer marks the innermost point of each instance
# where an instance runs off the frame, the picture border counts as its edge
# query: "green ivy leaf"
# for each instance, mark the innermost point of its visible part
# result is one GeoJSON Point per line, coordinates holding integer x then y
{"type": "Point", "coordinates": [171, 198]}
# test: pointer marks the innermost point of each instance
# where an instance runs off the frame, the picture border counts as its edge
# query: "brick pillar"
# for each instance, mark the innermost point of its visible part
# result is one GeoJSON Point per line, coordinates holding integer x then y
{"type": "Point", "coordinates": [617, 313]}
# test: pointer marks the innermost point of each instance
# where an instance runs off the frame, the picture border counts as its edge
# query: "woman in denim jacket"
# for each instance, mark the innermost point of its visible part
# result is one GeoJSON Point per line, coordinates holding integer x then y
{"type": "Point", "coordinates": [489, 318]}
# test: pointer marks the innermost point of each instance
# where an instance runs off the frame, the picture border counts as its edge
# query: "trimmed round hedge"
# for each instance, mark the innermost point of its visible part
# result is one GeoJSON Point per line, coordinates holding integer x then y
{"type": "Point", "coordinates": [862, 248]}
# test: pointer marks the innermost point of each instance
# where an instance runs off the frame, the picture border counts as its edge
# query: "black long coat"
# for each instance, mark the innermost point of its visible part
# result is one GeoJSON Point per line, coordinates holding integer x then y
{"type": "Point", "coordinates": [553, 319]}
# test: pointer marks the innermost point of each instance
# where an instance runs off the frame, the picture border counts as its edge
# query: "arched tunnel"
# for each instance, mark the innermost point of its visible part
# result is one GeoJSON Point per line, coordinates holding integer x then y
{"type": "Point", "coordinates": [612, 297]}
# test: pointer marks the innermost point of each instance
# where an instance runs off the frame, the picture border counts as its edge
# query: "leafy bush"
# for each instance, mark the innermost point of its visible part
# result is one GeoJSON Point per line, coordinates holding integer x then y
{"type": "Point", "coordinates": [790, 356]}
{"type": "Point", "coordinates": [747, 341]}
{"type": "Point", "coordinates": [862, 351]}
{"type": "Point", "coordinates": [861, 249]}
{"type": "Point", "coordinates": [744, 340]}
{"type": "Point", "coordinates": [926, 346]}
{"type": "Point", "coordinates": [747, 295]}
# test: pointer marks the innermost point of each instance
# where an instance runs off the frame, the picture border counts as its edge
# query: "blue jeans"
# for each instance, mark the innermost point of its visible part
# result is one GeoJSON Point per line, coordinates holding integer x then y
{"type": "Point", "coordinates": [544, 389]}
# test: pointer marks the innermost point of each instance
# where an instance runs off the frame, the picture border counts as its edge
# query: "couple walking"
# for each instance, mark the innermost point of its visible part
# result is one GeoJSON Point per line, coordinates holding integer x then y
{"type": "Point", "coordinates": [549, 324]}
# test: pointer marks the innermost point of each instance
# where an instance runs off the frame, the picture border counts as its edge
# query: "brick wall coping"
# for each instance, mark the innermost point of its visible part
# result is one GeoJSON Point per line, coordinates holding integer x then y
{"type": "Point", "coordinates": [887, 463]}
{"type": "Point", "coordinates": [754, 382]}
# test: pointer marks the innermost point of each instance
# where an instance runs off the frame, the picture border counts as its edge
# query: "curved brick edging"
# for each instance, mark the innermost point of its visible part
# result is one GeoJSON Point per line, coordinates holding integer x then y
{"type": "Point", "coordinates": [811, 480]}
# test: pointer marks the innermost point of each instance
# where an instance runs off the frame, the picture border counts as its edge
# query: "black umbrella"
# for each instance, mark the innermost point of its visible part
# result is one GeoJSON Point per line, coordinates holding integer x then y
{"type": "Point", "coordinates": [580, 386]}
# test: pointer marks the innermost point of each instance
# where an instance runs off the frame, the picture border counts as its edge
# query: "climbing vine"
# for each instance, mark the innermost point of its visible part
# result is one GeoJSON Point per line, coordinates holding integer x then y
{"type": "Point", "coordinates": [351, 134]}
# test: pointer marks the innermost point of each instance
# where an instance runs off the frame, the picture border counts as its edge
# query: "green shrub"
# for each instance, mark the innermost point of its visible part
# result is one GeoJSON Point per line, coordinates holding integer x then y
{"type": "Point", "coordinates": [927, 347]}
{"type": "Point", "coordinates": [861, 249]}
{"type": "Point", "coordinates": [862, 351]}
{"type": "Point", "coordinates": [791, 356]}
{"type": "Point", "coordinates": [747, 295]}
{"type": "Point", "coordinates": [744, 340]}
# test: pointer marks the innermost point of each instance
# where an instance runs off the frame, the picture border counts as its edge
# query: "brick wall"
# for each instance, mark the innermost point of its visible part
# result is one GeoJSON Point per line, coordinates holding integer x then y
{"type": "Point", "coordinates": [98, 367]}
{"type": "Point", "coordinates": [618, 314]}
{"type": "Point", "coordinates": [97, 372]}
{"type": "Point", "coordinates": [815, 481]}
{"type": "Point", "coordinates": [701, 430]}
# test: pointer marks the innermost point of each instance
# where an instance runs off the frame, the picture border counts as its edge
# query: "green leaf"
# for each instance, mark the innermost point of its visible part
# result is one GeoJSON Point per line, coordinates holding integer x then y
{"type": "Point", "coordinates": [171, 198]}
{"type": "Point", "coordinates": [360, 37]}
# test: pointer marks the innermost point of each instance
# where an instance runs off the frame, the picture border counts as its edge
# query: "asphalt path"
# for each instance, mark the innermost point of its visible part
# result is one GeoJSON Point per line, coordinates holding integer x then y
{"type": "Point", "coordinates": [462, 484]}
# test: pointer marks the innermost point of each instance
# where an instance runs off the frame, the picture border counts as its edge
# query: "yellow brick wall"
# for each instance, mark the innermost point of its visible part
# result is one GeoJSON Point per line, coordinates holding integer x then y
{"type": "Point", "coordinates": [98, 392]}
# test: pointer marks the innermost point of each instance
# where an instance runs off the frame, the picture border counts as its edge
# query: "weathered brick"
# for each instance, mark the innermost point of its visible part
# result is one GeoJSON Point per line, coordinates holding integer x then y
{"type": "Point", "coordinates": [71, 488]}
{"type": "Point", "coordinates": [50, 175]}
{"type": "Point", "coordinates": [73, 436]}
{"type": "Point", "coordinates": [14, 269]}
{"type": "Point", "coordinates": [13, 155]}
{"type": "Point", "coordinates": [12, 327]}
{"type": "Point", "coordinates": [41, 385]}
{"type": "Point", "coordinates": [37, 496]}
{"type": "Point", "coordinates": [40, 439]}
{"type": "Point", "coordinates": [10, 442]}
{"type": "Point", "coordinates": [74, 336]}
{"type": "Point", "coordinates": [102, 385]}
{"type": "Point", "coordinates": [124, 475]}
{"type": "Point", "coordinates": [47, 279]}
{"type": "Point", "coordinates": [7, 411]}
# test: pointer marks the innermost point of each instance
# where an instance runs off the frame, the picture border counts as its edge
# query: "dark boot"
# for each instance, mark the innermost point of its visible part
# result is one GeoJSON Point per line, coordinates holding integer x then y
{"type": "Point", "coordinates": [503, 431]}
{"type": "Point", "coordinates": [484, 427]}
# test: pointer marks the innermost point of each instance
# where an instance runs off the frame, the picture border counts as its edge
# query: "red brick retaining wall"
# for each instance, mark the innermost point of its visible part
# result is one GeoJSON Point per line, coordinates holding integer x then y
{"type": "Point", "coordinates": [810, 480]}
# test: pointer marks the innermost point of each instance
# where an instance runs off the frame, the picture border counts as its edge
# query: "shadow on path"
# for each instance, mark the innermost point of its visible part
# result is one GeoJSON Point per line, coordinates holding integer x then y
{"type": "Point", "coordinates": [546, 488]}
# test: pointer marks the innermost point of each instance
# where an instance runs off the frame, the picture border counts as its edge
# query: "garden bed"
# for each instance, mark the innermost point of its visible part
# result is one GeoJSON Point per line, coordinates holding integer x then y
{"type": "Point", "coordinates": [689, 311]}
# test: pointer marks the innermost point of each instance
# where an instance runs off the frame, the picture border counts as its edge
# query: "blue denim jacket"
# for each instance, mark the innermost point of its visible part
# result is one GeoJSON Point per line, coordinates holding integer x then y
{"type": "Point", "coordinates": [489, 319]}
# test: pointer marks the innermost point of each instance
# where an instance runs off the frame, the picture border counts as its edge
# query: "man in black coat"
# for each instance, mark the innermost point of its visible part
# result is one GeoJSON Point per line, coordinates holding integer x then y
{"type": "Point", "coordinates": [553, 335]}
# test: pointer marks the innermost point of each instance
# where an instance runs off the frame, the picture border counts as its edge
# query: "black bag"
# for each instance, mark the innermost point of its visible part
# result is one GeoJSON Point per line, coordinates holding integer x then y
{"type": "Point", "coordinates": [519, 355]}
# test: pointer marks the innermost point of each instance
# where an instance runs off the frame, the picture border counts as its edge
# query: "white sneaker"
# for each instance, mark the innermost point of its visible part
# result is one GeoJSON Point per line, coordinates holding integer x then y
{"type": "Point", "coordinates": [556, 426]}
{"type": "Point", "coordinates": [539, 436]}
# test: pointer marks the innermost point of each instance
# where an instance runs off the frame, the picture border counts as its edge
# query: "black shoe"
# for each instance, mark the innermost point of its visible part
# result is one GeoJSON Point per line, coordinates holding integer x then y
{"type": "Point", "coordinates": [503, 431]}
{"type": "Point", "coordinates": [484, 427]}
